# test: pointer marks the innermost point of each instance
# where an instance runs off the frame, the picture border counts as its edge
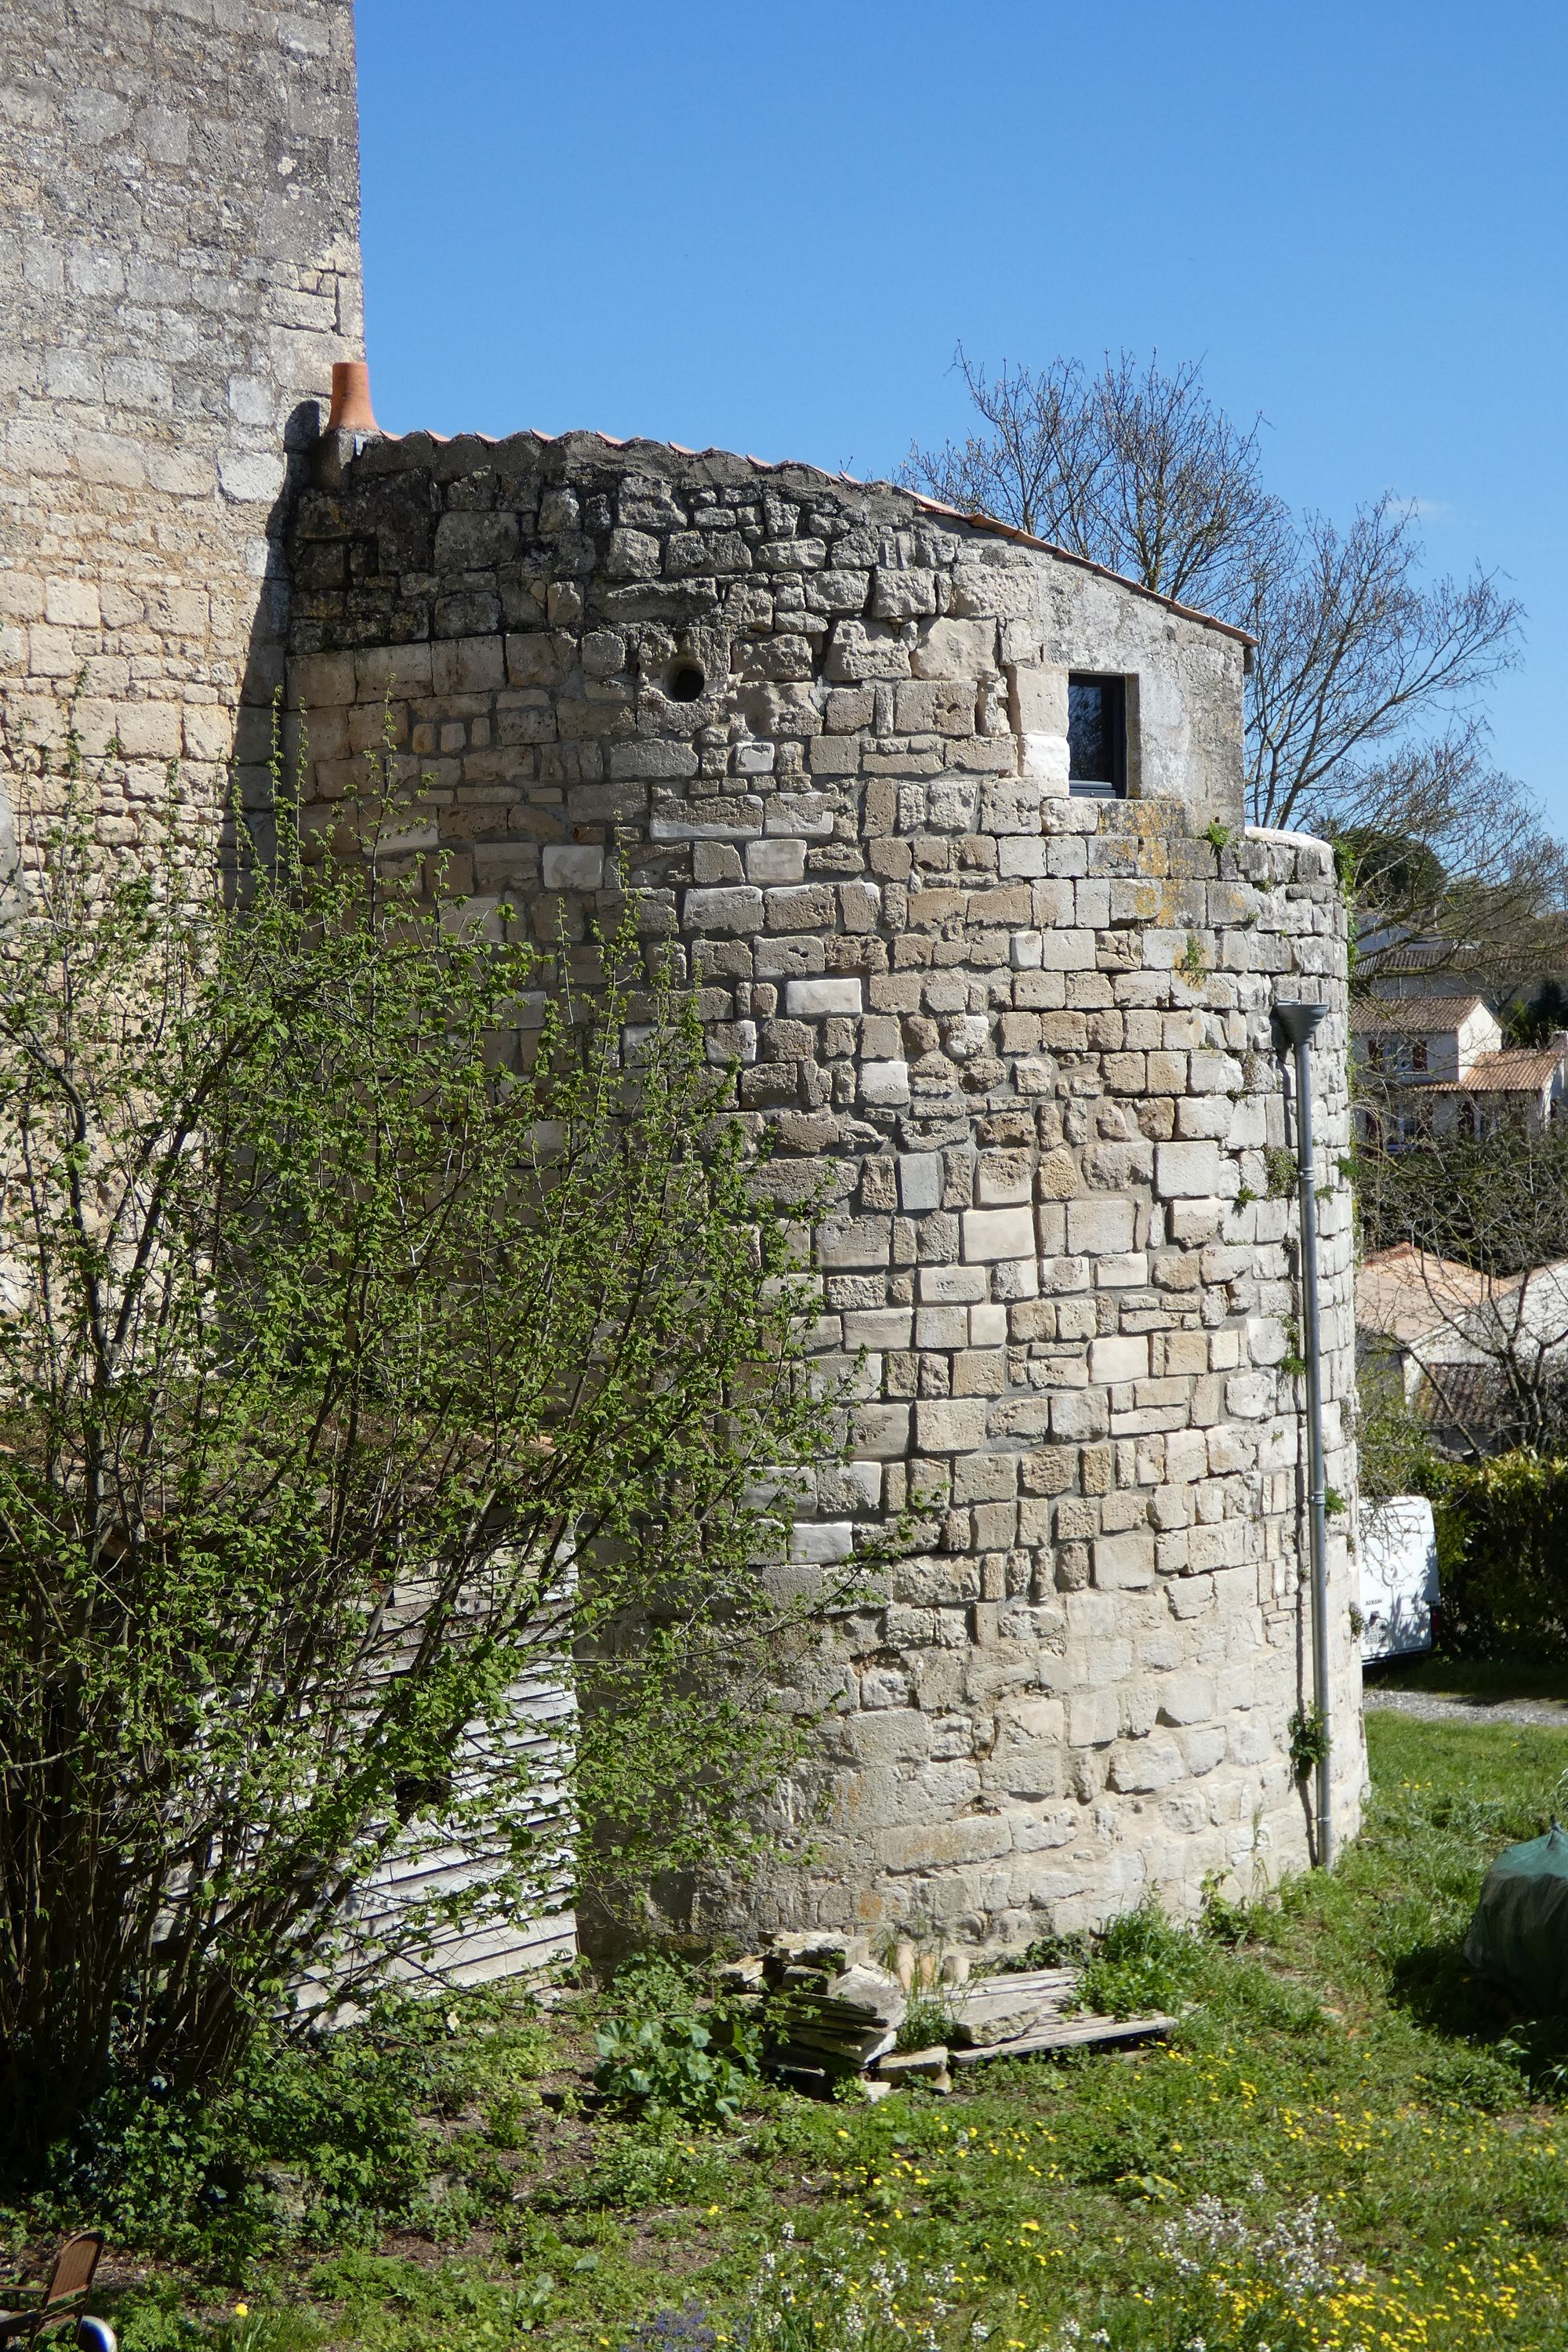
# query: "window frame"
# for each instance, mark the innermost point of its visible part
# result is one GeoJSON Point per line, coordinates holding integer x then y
{"type": "Point", "coordinates": [1097, 788]}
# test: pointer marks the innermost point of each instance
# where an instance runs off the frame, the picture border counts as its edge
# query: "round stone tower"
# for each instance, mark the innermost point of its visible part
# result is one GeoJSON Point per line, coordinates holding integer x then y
{"type": "Point", "coordinates": [947, 826]}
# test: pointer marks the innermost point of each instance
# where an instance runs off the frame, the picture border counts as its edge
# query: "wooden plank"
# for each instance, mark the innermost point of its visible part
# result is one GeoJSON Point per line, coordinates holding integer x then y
{"type": "Point", "coordinates": [984, 1996]}
{"type": "Point", "coordinates": [1065, 2034]}
{"type": "Point", "coordinates": [1049, 1983]}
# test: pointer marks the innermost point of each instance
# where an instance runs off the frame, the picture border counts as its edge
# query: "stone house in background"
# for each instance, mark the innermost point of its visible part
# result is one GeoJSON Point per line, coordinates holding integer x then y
{"type": "Point", "coordinates": [946, 826]}
{"type": "Point", "coordinates": [1444, 1056]}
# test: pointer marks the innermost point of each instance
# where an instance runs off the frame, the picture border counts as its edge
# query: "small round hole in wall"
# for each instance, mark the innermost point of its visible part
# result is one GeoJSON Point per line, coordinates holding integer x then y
{"type": "Point", "coordinates": [688, 682]}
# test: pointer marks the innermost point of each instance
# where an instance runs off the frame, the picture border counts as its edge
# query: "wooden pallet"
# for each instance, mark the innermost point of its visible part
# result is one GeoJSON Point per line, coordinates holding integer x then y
{"type": "Point", "coordinates": [1065, 2034]}
{"type": "Point", "coordinates": [1051, 2028]}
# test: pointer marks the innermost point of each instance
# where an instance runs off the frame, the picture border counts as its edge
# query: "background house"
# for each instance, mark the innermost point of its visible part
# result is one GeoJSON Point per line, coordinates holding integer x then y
{"type": "Point", "coordinates": [1474, 1355]}
{"type": "Point", "coordinates": [1450, 1048]}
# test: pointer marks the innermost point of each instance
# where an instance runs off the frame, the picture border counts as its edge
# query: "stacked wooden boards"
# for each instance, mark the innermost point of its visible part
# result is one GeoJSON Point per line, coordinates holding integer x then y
{"type": "Point", "coordinates": [827, 2015]}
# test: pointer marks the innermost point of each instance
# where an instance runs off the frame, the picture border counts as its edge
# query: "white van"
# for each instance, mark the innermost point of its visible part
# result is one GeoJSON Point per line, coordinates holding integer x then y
{"type": "Point", "coordinates": [1398, 1577]}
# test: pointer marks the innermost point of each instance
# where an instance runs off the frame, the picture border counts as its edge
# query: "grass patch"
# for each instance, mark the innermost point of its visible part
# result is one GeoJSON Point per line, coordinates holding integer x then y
{"type": "Point", "coordinates": [1349, 2141]}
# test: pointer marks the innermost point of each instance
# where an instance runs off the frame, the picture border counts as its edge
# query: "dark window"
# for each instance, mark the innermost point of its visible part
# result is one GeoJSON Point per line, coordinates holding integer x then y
{"type": "Point", "coordinates": [1097, 736]}
{"type": "Point", "coordinates": [1418, 1055]}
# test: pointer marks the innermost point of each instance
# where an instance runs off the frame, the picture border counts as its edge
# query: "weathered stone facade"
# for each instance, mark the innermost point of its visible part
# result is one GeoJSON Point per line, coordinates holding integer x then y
{"type": "Point", "coordinates": [1025, 1033]}
{"type": "Point", "coordinates": [179, 270]}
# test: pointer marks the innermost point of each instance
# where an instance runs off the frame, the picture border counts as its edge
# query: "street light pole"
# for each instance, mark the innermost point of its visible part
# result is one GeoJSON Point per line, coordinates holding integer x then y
{"type": "Point", "coordinates": [1301, 1023]}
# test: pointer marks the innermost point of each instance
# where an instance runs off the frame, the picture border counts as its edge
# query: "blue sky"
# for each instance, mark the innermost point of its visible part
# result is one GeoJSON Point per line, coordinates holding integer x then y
{"type": "Point", "coordinates": [767, 226]}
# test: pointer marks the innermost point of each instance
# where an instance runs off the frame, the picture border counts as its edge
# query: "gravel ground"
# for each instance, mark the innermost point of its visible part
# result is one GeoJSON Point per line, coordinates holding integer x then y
{"type": "Point", "coordinates": [1432, 1708]}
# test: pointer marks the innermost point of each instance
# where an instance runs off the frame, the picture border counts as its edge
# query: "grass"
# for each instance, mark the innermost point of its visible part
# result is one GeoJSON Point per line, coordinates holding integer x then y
{"type": "Point", "coordinates": [1348, 2142]}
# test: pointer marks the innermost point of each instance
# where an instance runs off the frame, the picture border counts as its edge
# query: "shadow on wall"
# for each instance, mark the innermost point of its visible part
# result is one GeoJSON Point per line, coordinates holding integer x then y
{"type": "Point", "coordinates": [256, 738]}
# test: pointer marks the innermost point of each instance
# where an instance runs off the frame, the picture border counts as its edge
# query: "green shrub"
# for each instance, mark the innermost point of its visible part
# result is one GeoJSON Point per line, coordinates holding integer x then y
{"type": "Point", "coordinates": [365, 1327]}
{"type": "Point", "coordinates": [326, 2142]}
{"type": "Point", "coordinates": [1502, 1556]}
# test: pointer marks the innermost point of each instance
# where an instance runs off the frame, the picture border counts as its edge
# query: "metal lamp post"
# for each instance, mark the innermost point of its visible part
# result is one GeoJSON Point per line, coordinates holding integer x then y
{"type": "Point", "coordinates": [1300, 1024]}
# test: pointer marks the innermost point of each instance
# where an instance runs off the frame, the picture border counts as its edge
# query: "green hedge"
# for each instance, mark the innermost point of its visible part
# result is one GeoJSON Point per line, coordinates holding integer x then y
{"type": "Point", "coordinates": [1502, 1556]}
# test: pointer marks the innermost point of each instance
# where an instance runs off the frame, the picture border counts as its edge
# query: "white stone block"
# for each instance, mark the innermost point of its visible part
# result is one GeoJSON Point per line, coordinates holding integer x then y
{"type": "Point", "coordinates": [1094, 1718]}
{"type": "Point", "coordinates": [573, 865]}
{"type": "Point", "coordinates": [920, 1177]}
{"type": "Point", "coordinates": [822, 1540]}
{"type": "Point", "coordinates": [1068, 950]}
{"type": "Point", "coordinates": [1145, 1766]}
{"type": "Point", "coordinates": [790, 813]}
{"type": "Point", "coordinates": [1124, 1563]}
{"type": "Point", "coordinates": [1187, 1699]}
{"type": "Point", "coordinates": [72, 603]}
{"type": "Point", "coordinates": [776, 861]}
{"type": "Point", "coordinates": [1046, 760]}
{"type": "Point", "coordinates": [1024, 950]}
{"type": "Point", "coordinates": [1119, 1360]}
{"type": "Point", "coordinates": [1100, 1226]}
{"type": "Point", "coordinates": [949, 1424]}
{"type": "Point", "coordinates": [1206, 1746]}
{"type": "Point", "coordinates": [1187, 1170]}
{"type": "Point", "coordinates": [248, 477]}
{"type": "Point", "coordinates": [881, 1431]}
{"type": "Point", "coordinates": [809, 1000]}
{"type": "Point", "coordinates": [885, 1084]}
{"type": "Point", "coordinates": [990, 1233]}
{"type": "Point", "coordinates": [878, 1327]}
{"type": "Point", "coordinates": [953, 1286]}
{"type": "Point", "coordinates": [735, 909]}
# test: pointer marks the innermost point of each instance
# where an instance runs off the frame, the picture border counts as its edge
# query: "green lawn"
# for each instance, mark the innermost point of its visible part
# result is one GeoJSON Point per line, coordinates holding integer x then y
{"type": "Point", "coordinates": [1348, 2142]}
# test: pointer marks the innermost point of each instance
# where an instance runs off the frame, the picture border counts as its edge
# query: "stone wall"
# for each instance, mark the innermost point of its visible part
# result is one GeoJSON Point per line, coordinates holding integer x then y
{"type": "Point", "coordinates": [179, 268]}
{"type": "Point", "coordinates": [1025, 1033]}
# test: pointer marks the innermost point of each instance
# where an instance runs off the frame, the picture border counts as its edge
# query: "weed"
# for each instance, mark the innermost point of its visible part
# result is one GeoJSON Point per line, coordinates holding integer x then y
{"type": "Point", "coordinates": [1308, 1740]}
{"type": "Point", "coordinates": [671, 2068]}
{"type": "Point", "coordinates": [690, 2329]}
{"type": "Point", "coordinates": [928, 2021]}
{"type": "Point", "coordinates": [1141, 1964]}
{"type": "Point", "coordinates": [1293, 1363]}
{"type": "Point", "coordinates": [1280, 1166]}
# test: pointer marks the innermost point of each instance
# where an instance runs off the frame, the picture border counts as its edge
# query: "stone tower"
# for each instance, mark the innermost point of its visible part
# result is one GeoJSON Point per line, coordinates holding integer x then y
{"type": "Point", "coordinates": [179, 270]}
{"type": "Point", "coordinates": [1019, 1021]}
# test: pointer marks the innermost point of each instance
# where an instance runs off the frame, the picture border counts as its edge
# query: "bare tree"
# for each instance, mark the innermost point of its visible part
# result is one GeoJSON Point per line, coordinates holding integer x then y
{"type": "Point", "coordinates": [1473, 1308]}
{"type": "Point", "coordinates": [1352, 652]}
{"type": "Point", "coordinates": [1357, 661]}
{"type": "Point", "coordinates": [1136, 469]}
{"type": "Point", "coordinates": [1444, 848]}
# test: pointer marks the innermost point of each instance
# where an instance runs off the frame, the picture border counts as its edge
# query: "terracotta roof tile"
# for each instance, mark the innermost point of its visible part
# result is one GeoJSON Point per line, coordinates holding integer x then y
{"type": "Point", "coordinates": [1518, 1069]}
{"type": "Point", "coordinates": [1374, 1016]}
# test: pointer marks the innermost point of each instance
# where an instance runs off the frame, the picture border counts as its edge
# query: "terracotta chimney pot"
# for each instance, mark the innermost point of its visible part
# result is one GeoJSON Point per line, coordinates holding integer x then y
{"type": "Point", "coordinates": [352, 410]}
